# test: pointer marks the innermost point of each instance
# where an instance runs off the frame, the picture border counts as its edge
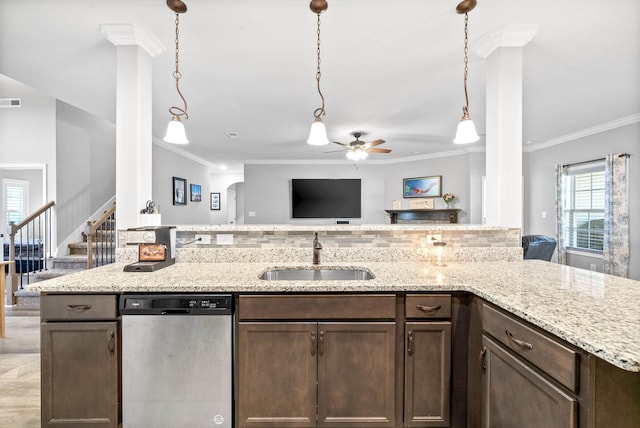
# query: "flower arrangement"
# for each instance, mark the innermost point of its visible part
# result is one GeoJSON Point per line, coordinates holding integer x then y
{"type": "Point", "coordinates": [448, 197]}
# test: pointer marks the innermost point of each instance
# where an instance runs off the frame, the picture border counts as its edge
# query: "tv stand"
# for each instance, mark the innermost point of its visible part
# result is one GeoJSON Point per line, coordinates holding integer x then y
{"type": "Point", "coordinates": [447, 215]}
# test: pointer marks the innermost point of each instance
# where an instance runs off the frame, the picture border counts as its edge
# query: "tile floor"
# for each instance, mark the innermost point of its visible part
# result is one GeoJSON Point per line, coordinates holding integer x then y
{"type": "Point", "coordinates": [20, 370]}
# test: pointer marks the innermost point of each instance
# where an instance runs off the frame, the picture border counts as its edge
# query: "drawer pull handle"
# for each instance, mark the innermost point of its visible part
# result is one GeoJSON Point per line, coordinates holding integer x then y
{"type": "Point", "coordinates": [313, 343]}
{"type": "Point", "coordinates": [519, 342]}
{"type": "Point", "coordinates": [78, 308]}
{"type": "Point", "coordinates": [424, 308]}
{"type": "Point", "coordinates": [410, 343]}
{"type": "Point", "coordinates": [481, 357]}
{"type": "Point", "coordinates": [112, 342]}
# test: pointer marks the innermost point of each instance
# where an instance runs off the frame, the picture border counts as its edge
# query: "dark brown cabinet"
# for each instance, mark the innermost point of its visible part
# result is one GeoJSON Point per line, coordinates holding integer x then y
{"type": "Point", "coordinates": [316, 373]}
{"type": "Point", "coordinates": [427, 361]}
{"type": "Point", "coordinates": [515, 394]}
{"type": "Point", "coordinates": [79, 362]}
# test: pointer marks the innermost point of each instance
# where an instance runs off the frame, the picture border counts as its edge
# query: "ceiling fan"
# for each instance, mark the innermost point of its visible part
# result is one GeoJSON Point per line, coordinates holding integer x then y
{"type": "Point", "coordinates": [357, 150]}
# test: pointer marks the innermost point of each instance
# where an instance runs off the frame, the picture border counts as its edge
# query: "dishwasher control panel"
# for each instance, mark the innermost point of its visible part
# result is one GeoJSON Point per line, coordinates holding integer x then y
{"type": "Point", "coordinates": [176, 304]}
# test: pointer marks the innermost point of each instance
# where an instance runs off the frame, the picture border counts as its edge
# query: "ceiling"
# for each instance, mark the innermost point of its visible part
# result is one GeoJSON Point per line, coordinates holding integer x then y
{"type": "Point", "coordinates": [391, 69]}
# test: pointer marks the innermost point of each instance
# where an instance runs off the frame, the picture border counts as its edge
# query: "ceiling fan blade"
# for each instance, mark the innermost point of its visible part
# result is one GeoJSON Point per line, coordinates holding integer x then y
{"type": "Point", "coordinates": [378, 150]}
{"type": "Point", "coordinates": [342, 144]}
{"type": "Point", "coordinates": [334, 151]}
{"type": "Point", "coordinates": [375, 143]}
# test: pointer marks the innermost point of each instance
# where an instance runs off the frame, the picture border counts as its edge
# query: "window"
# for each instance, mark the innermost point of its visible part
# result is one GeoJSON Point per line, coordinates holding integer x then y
{"type": "Point", "coordinates": [584, 208]}
{"type": "Point", "coordinates": [14, 197]}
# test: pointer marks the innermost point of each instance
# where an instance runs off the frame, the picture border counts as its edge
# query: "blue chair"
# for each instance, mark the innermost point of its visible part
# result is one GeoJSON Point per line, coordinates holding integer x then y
{"type": "Point", "coordinates": [538, 247]}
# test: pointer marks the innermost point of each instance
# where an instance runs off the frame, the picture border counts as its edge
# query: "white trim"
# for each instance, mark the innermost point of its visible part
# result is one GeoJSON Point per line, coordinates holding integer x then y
{"type": "Point", "coordinates": [133, 35]}
{"type": "Point", "coordinates": [603, 127]}
{"type": "Point", "coordinates": [509, 36]}
{"type": "Point", "coordinates": [585, 254]}
{"type": "Point", "coordinates": [175, 149]}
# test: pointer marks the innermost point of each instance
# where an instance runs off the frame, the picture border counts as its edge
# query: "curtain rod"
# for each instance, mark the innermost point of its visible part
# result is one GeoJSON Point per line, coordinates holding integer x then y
{"type": "Point", "coordinates": [622, 155]}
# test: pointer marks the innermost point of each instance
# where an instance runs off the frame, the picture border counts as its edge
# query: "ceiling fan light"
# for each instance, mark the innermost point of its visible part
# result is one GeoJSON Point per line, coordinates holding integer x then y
{"type": "Point", "coordinates": [175, 132]}
{"type": "Point", "coordinates": [318, 133]}
{"type": "Point", "coordinates": [466, 132]}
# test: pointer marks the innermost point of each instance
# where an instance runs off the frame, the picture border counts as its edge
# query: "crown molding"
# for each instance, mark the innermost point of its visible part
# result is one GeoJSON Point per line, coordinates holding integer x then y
{"type": "Point", "coordinates": [509, 36]}
{"type": "Point", "coordinates": [133, 35]}
{"type": "Point", "coordinates": [603, 127]}
{"type": "Point", "coordinates": [173, 148]}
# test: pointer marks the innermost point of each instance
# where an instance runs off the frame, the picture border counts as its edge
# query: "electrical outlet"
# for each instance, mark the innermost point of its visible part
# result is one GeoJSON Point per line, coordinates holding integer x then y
{"type": "Point", "coordinates": [224, 239]}
{"type": "Point", "coordinates": [592, 266]}
{"type": "Point", "coordinates": [203, 239]}
{"type": "Point", "coordinates": [544, 214]}
{"type": "Point", "coordinates": [434, 238]}
{"type": "Point", "coordinates": [252, 213]}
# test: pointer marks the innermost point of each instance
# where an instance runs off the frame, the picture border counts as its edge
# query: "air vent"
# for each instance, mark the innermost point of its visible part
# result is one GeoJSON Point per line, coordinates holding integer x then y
{"type": "Point", "coordinates": [10, 102]}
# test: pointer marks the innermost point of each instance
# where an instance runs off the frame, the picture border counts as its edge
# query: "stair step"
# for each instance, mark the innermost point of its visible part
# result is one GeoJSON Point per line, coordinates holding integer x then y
{"type": "Point", "coordinates": [77, 248]}
{"type": "Point", "coordinates": [70, 262]}
{"type": "Point", "coordinates": [53, 273]}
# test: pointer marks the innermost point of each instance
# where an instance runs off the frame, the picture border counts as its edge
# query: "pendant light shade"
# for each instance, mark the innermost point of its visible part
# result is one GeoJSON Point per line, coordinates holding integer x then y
{"type": "Point", "coordinates": [318, 134]}
{"type": "Point", "coordinates": [175, 129]}
{"type": "Point", "coordinates": [466, 132]}
{"type": "Point", "coordinates": [175, 132]}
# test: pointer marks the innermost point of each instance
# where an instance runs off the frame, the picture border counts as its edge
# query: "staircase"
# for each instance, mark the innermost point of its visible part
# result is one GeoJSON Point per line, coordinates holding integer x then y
{"type": "Point", "coordinates": [100, 237]}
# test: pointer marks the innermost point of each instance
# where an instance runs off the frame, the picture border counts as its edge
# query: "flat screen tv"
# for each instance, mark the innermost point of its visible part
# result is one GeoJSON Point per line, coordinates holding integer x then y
{"type": "Point", "coordinates": [325, 198]}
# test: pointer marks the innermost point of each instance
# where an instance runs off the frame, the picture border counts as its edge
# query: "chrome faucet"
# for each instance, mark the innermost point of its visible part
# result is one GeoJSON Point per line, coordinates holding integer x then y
{"type": "Point", "coordinates": [316, 250]}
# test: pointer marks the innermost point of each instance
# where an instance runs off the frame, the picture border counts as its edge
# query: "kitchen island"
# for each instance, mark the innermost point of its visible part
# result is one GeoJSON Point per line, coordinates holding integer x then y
{"type": "Point", "coordinates": [590, 315]}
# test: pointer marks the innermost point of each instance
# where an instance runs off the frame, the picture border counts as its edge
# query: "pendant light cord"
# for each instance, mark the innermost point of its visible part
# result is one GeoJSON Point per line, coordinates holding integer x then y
{"type": "Point", "coordinates": [465, 108]}
{"type": "Point", "coordinates": [319, 111]}
{"type": "Point", "coordinates": [177, 111]}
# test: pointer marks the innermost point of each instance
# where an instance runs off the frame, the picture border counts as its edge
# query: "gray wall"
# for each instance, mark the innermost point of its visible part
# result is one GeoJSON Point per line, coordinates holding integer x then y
{"type": "Point", "coordinates": [267, 191]}
{"type": "Point", "coordinates": [539, 173]}
{"type": "Point", "coordinates": [86, 160]}
{"type": "Point", "coordinates": [267, 187]}
{"type": "Point", "coordinates": [166, 165]}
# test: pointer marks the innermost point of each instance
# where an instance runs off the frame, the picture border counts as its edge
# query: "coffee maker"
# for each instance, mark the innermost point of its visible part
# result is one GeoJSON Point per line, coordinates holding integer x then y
{"type": "Point", "coordinates": [156, 247]}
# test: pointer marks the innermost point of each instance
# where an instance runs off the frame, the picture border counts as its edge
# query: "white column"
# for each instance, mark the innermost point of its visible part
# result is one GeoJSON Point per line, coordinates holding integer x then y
{"type": "Point", "coordinates": [503, 51]}
{"type": "Point", "coordinates": [135, 48]}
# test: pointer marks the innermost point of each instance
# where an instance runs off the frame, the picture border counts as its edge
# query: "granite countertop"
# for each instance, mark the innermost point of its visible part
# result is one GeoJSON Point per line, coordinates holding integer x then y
{"type": "Point", "coordinates": [595, 312]}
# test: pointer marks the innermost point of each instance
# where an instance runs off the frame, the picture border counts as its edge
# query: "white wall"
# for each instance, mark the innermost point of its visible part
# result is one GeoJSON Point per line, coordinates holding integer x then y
{"type": "Point", "coordinates": [168, 164]}
{"type": "Point", "coordinates": [86, 161]}
{"type": "Point", "coordinates": [539, 172]}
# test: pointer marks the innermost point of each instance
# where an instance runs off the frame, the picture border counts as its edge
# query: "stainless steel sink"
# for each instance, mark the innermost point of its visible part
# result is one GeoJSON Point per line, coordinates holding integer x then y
{"type": "Point", "coordinates": [322, 274]}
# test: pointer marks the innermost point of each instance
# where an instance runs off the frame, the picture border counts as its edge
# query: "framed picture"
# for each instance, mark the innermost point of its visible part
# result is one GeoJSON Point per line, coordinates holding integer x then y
{"type": "Point", "coordinates": [179, 191]}
{"type": "Point", "coordinates": [422, 187]}
{"type": "Point", "coordinates": [421, 204]}
{"type": "Point", "coordinates": [215, 201]}
{"type": "Point", "coordinates": [196, 193]}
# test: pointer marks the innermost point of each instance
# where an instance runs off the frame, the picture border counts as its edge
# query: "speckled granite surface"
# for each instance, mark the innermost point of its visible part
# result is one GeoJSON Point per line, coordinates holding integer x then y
{"type": "Point", "coordinates": [596, 312]}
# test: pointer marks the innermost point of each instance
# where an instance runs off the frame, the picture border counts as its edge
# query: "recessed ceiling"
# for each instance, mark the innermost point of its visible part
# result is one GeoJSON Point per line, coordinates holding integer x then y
{"type": "Point", "coordinates": [390, 68]}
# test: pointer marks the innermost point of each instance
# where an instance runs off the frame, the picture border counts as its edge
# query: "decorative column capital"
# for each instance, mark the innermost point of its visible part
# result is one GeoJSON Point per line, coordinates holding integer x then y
{"type": "Point", "coordinates": [133, 35]}
{"type": "Point", "coordinates": [509, 36]}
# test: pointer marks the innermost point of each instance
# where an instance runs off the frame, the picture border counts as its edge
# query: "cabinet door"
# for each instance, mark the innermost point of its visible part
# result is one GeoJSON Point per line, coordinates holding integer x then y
{"type": "Point", "coordinates": [356, 374]}
{"type": "Point", "coordinates": [515, 395]}
{"type": "Point", "coordinates": [79, 374]}
{"type": "Point", "coordinates": [427, 374]}
{"type": "Point", "coordinates": [277, 374]}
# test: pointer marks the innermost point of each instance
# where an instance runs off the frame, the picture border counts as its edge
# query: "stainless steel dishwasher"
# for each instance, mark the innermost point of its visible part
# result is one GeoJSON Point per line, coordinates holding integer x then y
{"type": "Point", "coordinates": [176, 360]}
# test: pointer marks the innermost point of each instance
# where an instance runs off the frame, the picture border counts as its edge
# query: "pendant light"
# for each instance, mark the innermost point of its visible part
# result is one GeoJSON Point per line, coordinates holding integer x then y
{"type": "Point", "coordinates": [175, 130]}
{"type": "Point", "coordinates": [466, 132]}
{"type": "Point", "coordinates": [318, 133]}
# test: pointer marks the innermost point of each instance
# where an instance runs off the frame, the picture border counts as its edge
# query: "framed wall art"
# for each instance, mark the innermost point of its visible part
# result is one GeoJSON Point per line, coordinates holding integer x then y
{"type": "Point", "coordinates": [215, 201]}
{"type": "Point", "coordinates": [422, 187]}
{"type": "Point", "coordinates": [179, 191]}
{"type": "Point", "coordinates": [196, 193]}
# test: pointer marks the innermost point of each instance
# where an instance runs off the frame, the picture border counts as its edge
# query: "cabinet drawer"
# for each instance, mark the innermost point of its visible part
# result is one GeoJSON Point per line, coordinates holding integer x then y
{"type": "Point", "coordinates": [304, 307]}
{"type": "Point", "coordinates": [428, 306]}
{"type": "Point", "coordinates": [78, 307]}
{"type": "Point", "coordinates": [552, 357]}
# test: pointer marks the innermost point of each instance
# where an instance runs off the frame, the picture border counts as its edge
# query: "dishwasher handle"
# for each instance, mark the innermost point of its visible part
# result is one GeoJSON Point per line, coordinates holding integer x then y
{"type": "Point", "coordinates": [175, 311]}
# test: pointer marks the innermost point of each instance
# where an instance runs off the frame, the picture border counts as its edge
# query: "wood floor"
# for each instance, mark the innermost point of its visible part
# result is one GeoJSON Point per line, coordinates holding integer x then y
{"type": "Point", "coordinates": [20, 370]}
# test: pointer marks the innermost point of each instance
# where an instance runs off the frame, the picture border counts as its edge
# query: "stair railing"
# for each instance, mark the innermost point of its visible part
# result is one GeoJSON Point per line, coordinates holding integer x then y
{"type": "Point", "coordinates": [33, 245]}
{"type": "Point", "coordinates": [101, 248]}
